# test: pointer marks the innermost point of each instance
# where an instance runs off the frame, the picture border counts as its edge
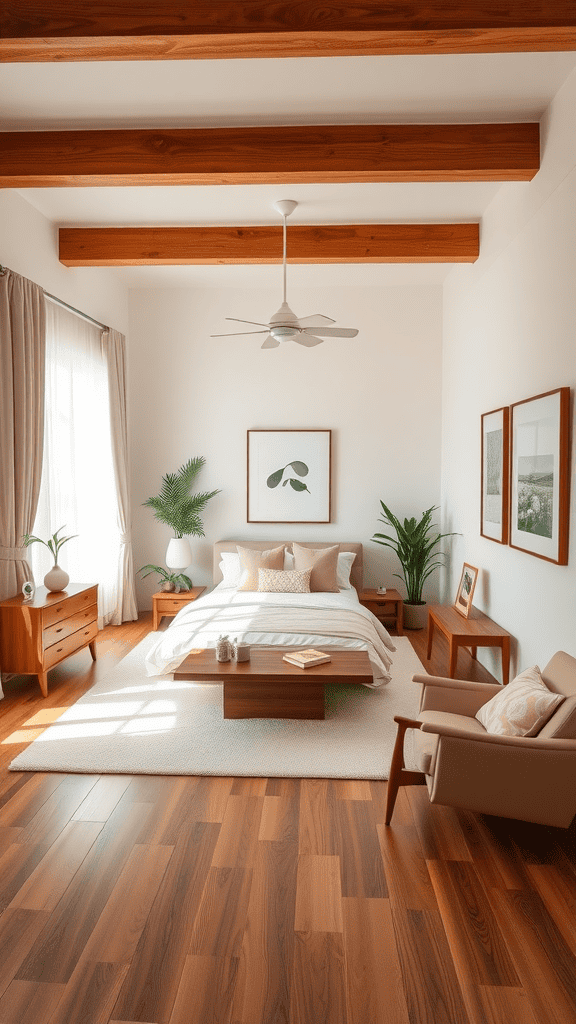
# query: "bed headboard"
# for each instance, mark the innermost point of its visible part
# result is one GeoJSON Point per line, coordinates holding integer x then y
{"type": "Point", "coordinates": [356, 574]}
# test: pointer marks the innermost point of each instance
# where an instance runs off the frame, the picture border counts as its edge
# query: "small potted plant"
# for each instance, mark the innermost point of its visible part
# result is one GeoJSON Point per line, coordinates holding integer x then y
{"type": "Point", "coordinates": [416, 546]}
{"type": "Point", "coordinates": [170, 581]}
{"type": "Point", "coordinates": [56, 579]}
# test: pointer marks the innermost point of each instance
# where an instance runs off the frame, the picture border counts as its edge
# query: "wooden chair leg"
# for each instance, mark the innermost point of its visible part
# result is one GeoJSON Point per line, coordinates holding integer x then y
{"type": "Point", "coordinates": [399, 776]}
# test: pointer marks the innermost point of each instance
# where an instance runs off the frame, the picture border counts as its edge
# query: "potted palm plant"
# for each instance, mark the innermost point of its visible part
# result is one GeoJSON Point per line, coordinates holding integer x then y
{"type": "Point", "coordinates": [416, 545]}
{"type": "Point", "coordinates": [180, 510]}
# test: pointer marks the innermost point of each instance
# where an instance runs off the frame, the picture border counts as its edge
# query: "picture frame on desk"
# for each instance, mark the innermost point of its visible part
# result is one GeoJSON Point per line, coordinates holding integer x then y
{"type": "Point", "coordinates": [466, 587]}
{"type": "Point", "coordinates": [495, 475]}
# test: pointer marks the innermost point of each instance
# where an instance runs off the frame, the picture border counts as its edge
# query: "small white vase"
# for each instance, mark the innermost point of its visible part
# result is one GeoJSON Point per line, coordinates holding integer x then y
{"type": "Point", "coordinates": [178, 554]}
{"type": "Point", "coordinates": [56, 579]}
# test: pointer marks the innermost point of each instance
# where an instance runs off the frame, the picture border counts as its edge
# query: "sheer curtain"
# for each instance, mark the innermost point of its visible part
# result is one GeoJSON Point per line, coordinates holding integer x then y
{"type": "Point", "coordinates": [78, 489]}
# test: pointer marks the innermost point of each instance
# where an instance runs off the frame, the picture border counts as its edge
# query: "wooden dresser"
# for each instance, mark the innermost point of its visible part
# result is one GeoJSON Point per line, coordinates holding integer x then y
{"type": "Point", "coordinates": [36, 635]}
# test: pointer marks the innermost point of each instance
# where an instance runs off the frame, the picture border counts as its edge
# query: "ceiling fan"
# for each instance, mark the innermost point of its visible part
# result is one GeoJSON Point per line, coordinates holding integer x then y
{"type": "Point", "coordinates": [285, 325]}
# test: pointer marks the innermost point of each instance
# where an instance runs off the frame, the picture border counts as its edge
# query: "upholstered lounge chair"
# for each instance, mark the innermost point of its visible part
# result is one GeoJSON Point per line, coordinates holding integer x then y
{"type": "Point", "coordinates": [531, 778]}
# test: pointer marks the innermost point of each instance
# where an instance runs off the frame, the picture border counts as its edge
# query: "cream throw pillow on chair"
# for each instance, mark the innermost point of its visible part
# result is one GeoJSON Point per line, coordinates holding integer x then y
{"type": "Point", "coordinates": [522, 708]}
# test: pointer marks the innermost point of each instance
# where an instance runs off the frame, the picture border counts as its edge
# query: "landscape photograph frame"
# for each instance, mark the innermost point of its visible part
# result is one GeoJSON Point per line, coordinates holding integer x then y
{"type": "Point", "coordinates": [495, 475]}
{"type": "Point", "coordinates": [540, 475]}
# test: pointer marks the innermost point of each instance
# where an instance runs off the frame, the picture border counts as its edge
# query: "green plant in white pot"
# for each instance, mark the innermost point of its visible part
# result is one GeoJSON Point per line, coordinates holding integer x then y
{"type": "Point", "coordinates": [416, 545]}
{"type": "Point", "coordinates": [56, 579]}
{"type": "Point", "coordinates": [180, 510]}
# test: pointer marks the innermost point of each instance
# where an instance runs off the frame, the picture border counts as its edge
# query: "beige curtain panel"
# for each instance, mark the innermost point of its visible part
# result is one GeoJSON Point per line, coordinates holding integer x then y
{"type": "Point", "coordinates": [115, 347]}
{"type": "Point", "coordinates": [22, 369]}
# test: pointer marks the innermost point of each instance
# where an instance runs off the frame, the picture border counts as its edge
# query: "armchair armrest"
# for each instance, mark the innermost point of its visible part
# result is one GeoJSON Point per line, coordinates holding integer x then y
{"type": "Point", "coordinates": [458, 696]}
{"type": "Point", "coordinates": [526, 742]}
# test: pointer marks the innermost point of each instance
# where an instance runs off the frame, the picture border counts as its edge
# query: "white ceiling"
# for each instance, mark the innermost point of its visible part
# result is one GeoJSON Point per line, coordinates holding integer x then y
{"type": "Point", "coordinates": [435, 88]}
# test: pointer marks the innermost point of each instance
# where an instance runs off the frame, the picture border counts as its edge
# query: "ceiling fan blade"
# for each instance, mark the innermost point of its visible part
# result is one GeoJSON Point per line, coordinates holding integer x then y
{"type": "Point", "coordinates": [337, 332]}
{"type": "Point", "coordinates": [270, 342]}
{"type": "Point", "coordinates": [256, 322]}
{"type": "Point", "coordinates": [307, 340]}
{"type": "Point", "coordinates": [237, 334]}
{"type": "Point", "coordinates": [317, 320]}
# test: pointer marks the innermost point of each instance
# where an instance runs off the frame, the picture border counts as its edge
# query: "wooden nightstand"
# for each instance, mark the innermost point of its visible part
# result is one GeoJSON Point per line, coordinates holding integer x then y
{"type": "Point", "coordinates": [36, 635]}
{"type": "Point", "coordinates": [388, 607]}
{"type": "Point", "coordinates": [168, 603]}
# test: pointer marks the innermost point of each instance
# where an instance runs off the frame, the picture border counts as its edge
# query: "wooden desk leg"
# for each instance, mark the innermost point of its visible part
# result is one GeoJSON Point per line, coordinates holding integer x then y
{"type": "Point", "coordinates": [430, 635]}
{"type": "Point", "coordinates": [505, 648]}
{"type": "Point", "coordinates": [474, 653]}
{"type": "Point", "coordinates": [453, 657]}
{"type": "Point", "coordinates": [399, 617]}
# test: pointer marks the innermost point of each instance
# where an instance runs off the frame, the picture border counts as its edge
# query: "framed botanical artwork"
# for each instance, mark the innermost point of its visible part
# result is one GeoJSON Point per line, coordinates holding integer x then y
{"type": "Point", "coordinates": [494, 502]}
{"type": "Point", "coordinates": [289, 476]}
{"type": "Point", "coordinates": [540, 475]}
{"type": "Point", "coordinates": [463, 602]}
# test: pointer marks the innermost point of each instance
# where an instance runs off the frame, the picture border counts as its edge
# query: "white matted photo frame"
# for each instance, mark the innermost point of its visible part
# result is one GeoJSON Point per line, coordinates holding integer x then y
{"type": "Point", "coordinates": [289, 476]}
{"type": "Point", "coordinates": [495, 475]}
{"type": "Point", "coordinates": [540, 475]}
{"type": "Point", "coordinates": [466, 587]}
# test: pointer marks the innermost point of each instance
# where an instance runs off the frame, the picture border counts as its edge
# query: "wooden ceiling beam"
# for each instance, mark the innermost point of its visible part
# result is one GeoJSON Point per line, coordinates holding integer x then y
{"type": "Point", "coordinates": [274, 155]}
{"type": "Point", "coordinates": [344, 243]}
{"type": "Point", "coordinates": [33, 30]}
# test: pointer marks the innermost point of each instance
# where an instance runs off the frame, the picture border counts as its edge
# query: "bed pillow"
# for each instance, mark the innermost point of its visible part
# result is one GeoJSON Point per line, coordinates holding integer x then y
{"type": "Point", "coordinates": [324, 565]}
{"type": "Point", "coordinates": [522, 708]}
{"type": "Point", "coordinates": [251, 560]}
{"type": "Point", "coordinates": [231, 568]}
{"type": "Point", "coordinates": [291, 581]}
{"type": "Point", "coordinates": [345, 560]}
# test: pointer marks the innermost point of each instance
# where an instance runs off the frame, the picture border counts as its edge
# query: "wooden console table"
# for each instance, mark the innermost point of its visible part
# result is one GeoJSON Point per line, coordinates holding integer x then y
{"type": "Point", "coordinates": [477, 631]}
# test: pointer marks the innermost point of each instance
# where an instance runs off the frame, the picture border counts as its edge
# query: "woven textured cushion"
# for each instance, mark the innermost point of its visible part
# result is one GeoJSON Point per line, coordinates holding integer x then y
{"type": "Point", "coordinates": [252, 560]}
{"type": "Point", "coordinates": [522, 708]}
{"type": "Point", "coordinates": [324, 565]}
{"type": "Point", "coordinates": [274, 581]}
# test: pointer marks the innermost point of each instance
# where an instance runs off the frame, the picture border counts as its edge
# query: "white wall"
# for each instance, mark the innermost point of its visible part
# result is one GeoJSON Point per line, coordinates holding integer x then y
{"type": "Point", "coordinates": [379, 393]}
{"type": "Point", "coordinates": [510, 333]}
{"type": "Point", "coordinates": [29, 246]}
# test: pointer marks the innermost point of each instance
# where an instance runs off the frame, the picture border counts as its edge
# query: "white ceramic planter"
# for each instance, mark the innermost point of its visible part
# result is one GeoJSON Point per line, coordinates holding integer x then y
{"type": "Point", "coordinates": [178, 554]}
{"type": "Point", "coordinates": [56, 579]}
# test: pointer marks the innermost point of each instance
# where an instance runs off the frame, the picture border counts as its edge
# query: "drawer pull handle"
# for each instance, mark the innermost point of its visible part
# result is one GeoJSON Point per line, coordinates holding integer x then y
{"type": "Point", "coordinates": [58, 649]}
{"type": "Point", "coordinates": [59, 630]}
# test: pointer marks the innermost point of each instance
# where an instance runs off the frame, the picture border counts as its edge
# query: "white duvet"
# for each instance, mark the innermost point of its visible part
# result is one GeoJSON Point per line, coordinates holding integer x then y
{"type": "Point", "coordinates": [285, 620]}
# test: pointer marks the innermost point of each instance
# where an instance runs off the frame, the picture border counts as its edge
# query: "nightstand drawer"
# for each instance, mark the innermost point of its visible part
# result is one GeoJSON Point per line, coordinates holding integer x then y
{"type": "Point", "coordinates": [66, 607]}
{"type": "Point", "coordinates": [60, 630]}
{"type": "Point", "coordinates": [169, 605]}
{"type": "Point", "coordinates": [58, 651]}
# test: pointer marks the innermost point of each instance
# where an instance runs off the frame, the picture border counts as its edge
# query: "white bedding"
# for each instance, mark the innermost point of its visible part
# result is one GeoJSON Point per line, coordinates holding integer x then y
{"type": "Point", "coordinates": [255, 618]}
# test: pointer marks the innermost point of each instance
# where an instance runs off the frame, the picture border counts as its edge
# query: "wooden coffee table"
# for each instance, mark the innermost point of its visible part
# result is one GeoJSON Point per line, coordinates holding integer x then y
{"type": "Point", "coordinates": [268, 687]}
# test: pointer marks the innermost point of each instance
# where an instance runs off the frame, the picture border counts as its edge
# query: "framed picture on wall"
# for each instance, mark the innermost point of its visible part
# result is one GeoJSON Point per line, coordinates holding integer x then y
{"type": "Point", "coordinates": [466, 587]}
{"type": "Point", "coordinates": [540, 472]}
{"type": "Point", "coordinates": [289, 476]}
{"type": "Point", "coordinates": [494, 501]}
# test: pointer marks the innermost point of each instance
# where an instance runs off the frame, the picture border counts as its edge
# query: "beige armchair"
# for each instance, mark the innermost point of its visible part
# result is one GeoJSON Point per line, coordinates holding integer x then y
{"type": "Point", "coordinates": [531, 778]}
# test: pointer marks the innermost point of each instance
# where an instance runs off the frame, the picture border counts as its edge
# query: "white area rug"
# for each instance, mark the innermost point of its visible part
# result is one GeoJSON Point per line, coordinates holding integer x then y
{"type": "Point", "coordinates": [129, 723]}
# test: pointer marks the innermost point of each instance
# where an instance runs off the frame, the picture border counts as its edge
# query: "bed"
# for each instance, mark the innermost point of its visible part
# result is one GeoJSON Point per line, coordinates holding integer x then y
{"type": "Point", "coordinates": [292, 620]}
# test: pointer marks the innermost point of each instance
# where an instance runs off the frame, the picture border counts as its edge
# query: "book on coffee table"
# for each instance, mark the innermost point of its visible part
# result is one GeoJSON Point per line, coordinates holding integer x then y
{"type": "Point", "coordinates": [307, 658]}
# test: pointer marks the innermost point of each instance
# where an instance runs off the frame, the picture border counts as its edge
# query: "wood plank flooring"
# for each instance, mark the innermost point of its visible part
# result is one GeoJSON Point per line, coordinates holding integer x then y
{"type": "Point", "coordinates": [167, 900]}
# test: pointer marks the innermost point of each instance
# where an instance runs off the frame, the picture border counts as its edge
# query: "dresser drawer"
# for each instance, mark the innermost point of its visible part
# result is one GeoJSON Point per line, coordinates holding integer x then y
{"type": "Point", "coordinates": [68, 605]}
{"type": "Point", "coordinates": [60, 630]}
{"type": "Point", "coordinates": [58, 651]}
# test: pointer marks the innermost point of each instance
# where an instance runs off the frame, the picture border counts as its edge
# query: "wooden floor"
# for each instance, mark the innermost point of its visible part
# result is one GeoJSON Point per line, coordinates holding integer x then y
{"type": "Point", "coordinates": [171, 900]}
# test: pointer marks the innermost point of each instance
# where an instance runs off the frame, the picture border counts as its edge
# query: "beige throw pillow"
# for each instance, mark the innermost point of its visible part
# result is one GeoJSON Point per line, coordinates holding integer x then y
{"type": "Point", "coordinates": [324, 565]}
{"type": "Point", "coordinates": [522, 708]}
{"type": "Point", "coordinates": [251, 560]}
{"type": "Point", "coordinates": [271, 581]}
